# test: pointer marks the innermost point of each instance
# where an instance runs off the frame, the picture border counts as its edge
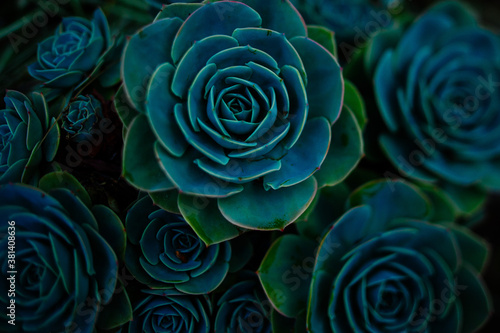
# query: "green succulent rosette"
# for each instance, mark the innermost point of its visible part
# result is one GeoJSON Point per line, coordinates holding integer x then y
{"type": "Point", "coordinates": [436, 86]}
{"type": "Point", "coordinates": [164, 252]}
{"type": "Point", "coordinates": [382, 267]}
{"type": "Point", "coordinates": [171, 311]}
{"type": "Point", "coordinates": [82, 115]}
{"type": "Point", "coordinates": [66, 258]}
{"type": "Point", "coordinates": [29, 137]}
{"type": "Point", "coordinates": [233, 106]}
{"type": "Point", "coordinates": [65, 59]}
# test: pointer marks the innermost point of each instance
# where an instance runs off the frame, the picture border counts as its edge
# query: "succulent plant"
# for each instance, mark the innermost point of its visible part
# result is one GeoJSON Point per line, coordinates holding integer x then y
{"type": "Point", "coordinates": [82, 115]}
{"type": "Point", "coordinates": [65, 270]}
{"type": "Point", "coordinates": [29, 137]}
{"type": "Point", "coordinates": [382, 267]}
{"type": "Point", "coordinates": [436, 88]}
{"type": "Point", "coordinates": [67, 57]}
{"type": "Point", "coordinates": [238, 117]}
{"type": "Point", "coordinates": [171, 311]}
{"type": "Point", "coordinates": [164, 252]}
{"type": "Point", "coordinates": [243, 308]}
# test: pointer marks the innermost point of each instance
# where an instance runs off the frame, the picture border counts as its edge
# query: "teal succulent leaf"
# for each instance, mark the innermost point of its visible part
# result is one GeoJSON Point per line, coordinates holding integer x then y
{"type": "Point", "coordinates": [232, 112]}
{"type": "Point", "coordinates": [28, 137]}
{"type": "Point", "coordinates": [82, 115]}
{"type": "Point", "coordinates": [437, 99]}
{"type": "Point", "coordinates": [181, 10]}
{"type": "Point", "coordinates": [166, 309]}
{"type": "Point", "coordinates": [67, 57]}
{"type": "Point", "coordinates": [324, 37]}
{"type": "Point", "coordinates": [218, 230]}
{"type": "Point", "coordinates": [345, 151]}
{"type": "Point", "coordinates": [286, 280]}
{"type": "Point", "coordinates": [395, 263]}
{"type": "Point", "coordinates": [62, 259]}
{"type": "Point", "coordinates": [61, 179]}
{"type": "Point", "coordinates": [164, 252]}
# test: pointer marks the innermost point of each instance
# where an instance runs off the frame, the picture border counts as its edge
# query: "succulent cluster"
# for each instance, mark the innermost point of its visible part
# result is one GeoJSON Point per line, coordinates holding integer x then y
{"type": "Point", "coordinates": [247, 166]}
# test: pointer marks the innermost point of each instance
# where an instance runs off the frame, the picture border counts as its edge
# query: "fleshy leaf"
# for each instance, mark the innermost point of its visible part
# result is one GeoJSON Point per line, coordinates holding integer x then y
{"type": "Point", "coordinates": [152, 43]}
{"type": "Point", "coordinates": [118, 312]}
{"type": "Point", "coordinates": [345, 152]}
{"type": "Point", "coordinates": [111, 229]}
{"type": "Point", "coordinates": [256, 208]}
{"type": "Point", "coordinates": [279, 15]}
{"type": "Point", "coordinates": [204, 217]}
{"type": "Point", "coordinates": [305, 157]}
{"type": "Point", "coordinates": [167, 200]}
{"type": "Point", "coordinates": [285, 273]}
{"type": "Point", "coordinates": [354, 101]}
{"type": "Point", "coordinates": [220, 18]}
{"type": "Point", "coordinates": [125, 110]}
{"type": "Point", "coordinates": [325, 85]}
{"type": "Point", "coordinates": [140, 166]}
{"type": "Point", "coordinates": [323, 36]}
{"type": "Point", "coordinates": [179, 10]}
{"type": "Point", "coordinates": [392, 199]}
{"type": "Point", "coordinates": [62, 179]}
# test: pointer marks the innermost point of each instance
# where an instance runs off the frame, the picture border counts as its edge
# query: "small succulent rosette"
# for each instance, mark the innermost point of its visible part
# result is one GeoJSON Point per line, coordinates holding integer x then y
{"type": "Point", "coordinates": [68, 57]}
{"type": "Point", "coordinates": [436, 86]}
{"type": "Point", "coordinates": [164, 252]}
{"type": "Point", "coordinates": [242, 118]}
{"type": "Point", "coordinates": [29, 137]}
{"type": "Point", "coordinates": [65, 262]}
{"type": "Point", "coordinates": [383, 267]}
{"type": "Point", "coordinates": [170, 311]}
{"type": "Point", "coordinates": [244, 308]}
{"type": "Point", "coordinates": [81, 118]}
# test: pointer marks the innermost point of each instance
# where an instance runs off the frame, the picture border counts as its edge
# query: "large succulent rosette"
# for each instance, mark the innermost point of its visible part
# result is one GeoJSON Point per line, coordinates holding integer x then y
{"type": "Point", "coordinates": [164, 252]}
{"type": "Point", "coordinates": [64, 268]}
{"type": "Point", "coordinates": [232, 103]}
{"type": "Point", "coordinates": [171, 311]}
{"type": "Point", "coordinates": [29, 136]}
{"type": "Point", "coordinates": [67, 57]}
{"type": "Point", "coordinates": [384, 269]}
{"type": "Point", "coordinates": [437, 91]}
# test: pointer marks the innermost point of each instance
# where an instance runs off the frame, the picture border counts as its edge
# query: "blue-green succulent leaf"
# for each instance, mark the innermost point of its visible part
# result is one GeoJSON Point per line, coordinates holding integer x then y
{"type": "Point", "coordinates": [259, 212]}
